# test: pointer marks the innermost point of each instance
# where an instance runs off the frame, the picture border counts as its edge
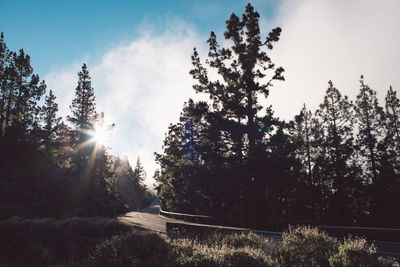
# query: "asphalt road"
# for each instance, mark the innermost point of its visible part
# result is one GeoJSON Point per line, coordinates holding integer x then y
{"type": "Point", "coordinates": [149, 218]}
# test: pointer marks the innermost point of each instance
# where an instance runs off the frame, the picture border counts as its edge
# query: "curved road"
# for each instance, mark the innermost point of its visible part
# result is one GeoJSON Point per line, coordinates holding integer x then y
{"type": "Point", "coordinates": [150, 218]}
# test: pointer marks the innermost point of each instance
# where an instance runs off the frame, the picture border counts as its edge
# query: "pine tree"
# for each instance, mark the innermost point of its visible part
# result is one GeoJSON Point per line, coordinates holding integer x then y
{"type": "Point", "coordinates": [91, 164]}
{"type": "Point", "coordinates": [64, 139]}
{"type": "Point", "coordinates": [385, 191]}
{"type": "Point", "coordinates": [139, 173]}
{"type": "Point", "coordinates": [129, 191]}
{"type": "Point", "coordinates": [19, 94]}
{"type": "Point", "coordinates": [303, 138]}
{"type": "Point", "coordinates": [236, 98]}
{"type": "Point", "coordinates": [191, 133]}
{"type": "Point", "coordinates": [336, 116]}
{"type": "Point", "coordinates": [4, 82]}
{"type": "Point", "coordinates": [369, 117]}
{"type": "Point", "coordinates": [305, 134]}
{"type": "Point", "coordinates": [83, 117]}
{"type": "Point", "coordinates": [392, 128]}
{"type": "Point", "coordinates": [28, 93]}
{"type": "Point", "coordinates": [51, 124]}
{"type": "Point", "coordinates": [172, 190]}
{"type": "Point", "coordinates": [83, 106]}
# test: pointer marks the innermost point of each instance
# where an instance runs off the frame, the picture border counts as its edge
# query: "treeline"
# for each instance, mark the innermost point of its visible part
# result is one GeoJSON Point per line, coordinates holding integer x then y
{"type": "Point", "coordinates": [232, 157]}
{"type": "Point", "coordinates": [52, 168]}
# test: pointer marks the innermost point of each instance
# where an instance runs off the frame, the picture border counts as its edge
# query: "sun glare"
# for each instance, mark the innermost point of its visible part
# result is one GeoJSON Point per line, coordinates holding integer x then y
{"type": "Point", "coordinates": [101, 135]}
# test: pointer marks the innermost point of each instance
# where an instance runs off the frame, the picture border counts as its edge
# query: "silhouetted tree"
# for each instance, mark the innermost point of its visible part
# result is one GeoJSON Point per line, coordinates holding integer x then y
{"type": "Point", "coordinates": [369, 116]}
{"type": "Point", "coordinates": [392, 128]}
{"type": "Point", "coordinates": [336, 116]}
{"type": "Point", "coordinates": [51, 124]}
{"type": "Point", "coordinates": [384, 191]}
{"type": "Point", "coordinates": [28, 93]}
{"type": "Point", "coordinates": [83, 117]}
{"type": "Point", "coordinates": [130, 192]}
{"type": "Point", "coordinates": [5, 96]}
{"type": "Point", "coordinates": [235, 99]}
{"type": "Point", "coordinates": [304, 138]}
{"type": "Point", "coordinates": [139, 173]}
{"type": "Point", "coordinates": [19, 94]}
{"type": "Point", "coordinates": [305, 135]}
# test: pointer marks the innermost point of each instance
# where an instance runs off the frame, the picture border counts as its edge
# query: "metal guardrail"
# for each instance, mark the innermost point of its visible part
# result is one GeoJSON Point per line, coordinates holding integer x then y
{"type": "Point", "coordinates": [162, 212]}
{"type": "Point", "coordinates": [371, 233]}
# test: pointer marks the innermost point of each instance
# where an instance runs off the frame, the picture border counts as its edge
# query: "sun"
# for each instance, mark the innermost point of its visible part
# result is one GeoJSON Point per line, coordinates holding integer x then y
{"type": "Point", "coordinates": [101, 135]}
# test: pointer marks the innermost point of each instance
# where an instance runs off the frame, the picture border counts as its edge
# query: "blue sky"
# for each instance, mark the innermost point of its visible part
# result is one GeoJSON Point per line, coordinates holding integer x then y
{"type": "Point", "coordinates": [57, 32]}
{"type": "Point", "coordinates": [138, 54]}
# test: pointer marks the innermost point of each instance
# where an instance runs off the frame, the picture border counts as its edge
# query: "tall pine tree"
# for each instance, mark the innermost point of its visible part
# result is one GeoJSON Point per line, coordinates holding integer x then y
{"type": "Point", "coordinates": [336, 117]}
{"type": "Point", "coordinates": [51, 124]}
{"type": "Point", "coordinates": [369, 117]}
{"type": "Point", "coordinates": [83, 118]}
{"type": "Point", "coordinates": [247, 74]}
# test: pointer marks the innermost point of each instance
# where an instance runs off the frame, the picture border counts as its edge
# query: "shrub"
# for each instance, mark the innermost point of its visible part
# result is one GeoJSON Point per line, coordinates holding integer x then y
{"type": "Point", "coordinates": [306, 246]}
{"type": "Point", "coordinates": [238, 258]}
{"type": "Point", "coordinates": [241, 241]}
{"type": "Point", "coordinates": [132, 249]}
{"type": "Point", "coordinates": [387, 262]}
{"type": "Point", "coordinates": [187, 253]}
{"type": "Point", "coordinates": [46, 241]}
{"type": "Point", "coordinates": [226, 250]}
{"type": "Point", "coordinates": [353, 253]}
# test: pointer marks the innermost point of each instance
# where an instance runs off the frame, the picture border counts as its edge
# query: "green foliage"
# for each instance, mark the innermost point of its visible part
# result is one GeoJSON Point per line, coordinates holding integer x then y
{"type": "Point", "coordinates": [49, 242]}
{"type": "Point", "coordinates": [231, 157]}
{"type": "Point", "coordinates": [241, 241]}
{"type": "Point", "coordinates": [306, 246]}
{"type": "Point", "coordinates": [224, 156]}
{"type": "Point", "coordinates": [387, 262]}
{"type": "Point", "coordinates": [353, 253]}
{"type": "Point", "coordinates": [369, 115]}
{"type": "Point", "coordinates": [128, 186]}
{"type": "Point", "coordinates": [52, 124]}
{"type": "Point", "coordinates": [106, 242]}
{"type": "Point", "coordinates": [83, 106]}
{"type": "Point", "coordinates": [48, 168]}
{"type": "Point", "coordinates": [132, 249]}
{"type": "Point", "coordinates": [149, 249]}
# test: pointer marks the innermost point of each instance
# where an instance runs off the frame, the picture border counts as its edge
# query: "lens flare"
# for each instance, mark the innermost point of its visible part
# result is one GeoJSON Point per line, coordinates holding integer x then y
{"type": "Point", "coordinates": [101, 135]}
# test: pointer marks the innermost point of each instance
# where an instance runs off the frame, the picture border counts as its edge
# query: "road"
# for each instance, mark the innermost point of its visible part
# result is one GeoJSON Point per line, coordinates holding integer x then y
{"type": "Point", "coordinates": [149, 218]}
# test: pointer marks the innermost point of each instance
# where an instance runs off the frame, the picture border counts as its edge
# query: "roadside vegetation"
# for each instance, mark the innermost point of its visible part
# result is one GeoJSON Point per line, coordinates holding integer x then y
{"type": "Point", "coordinates": [107, 242]}
{"type": "Point", "coordinates": [301, 246]}
{"type": "Point", "coordinates": [230, 158]}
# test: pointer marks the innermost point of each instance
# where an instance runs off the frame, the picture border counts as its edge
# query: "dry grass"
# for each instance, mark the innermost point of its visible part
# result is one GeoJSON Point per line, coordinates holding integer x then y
{"type": "Point", "coordinates": [105, 242]}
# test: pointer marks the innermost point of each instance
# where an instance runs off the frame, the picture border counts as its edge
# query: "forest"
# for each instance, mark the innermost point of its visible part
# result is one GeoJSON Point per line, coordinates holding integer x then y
{"type": "Point", "coordinates": [232, 157]}
{"type": "Point", "coordinates": [229, 157]}
{"type": "Point", "coordinates": [55, 168]}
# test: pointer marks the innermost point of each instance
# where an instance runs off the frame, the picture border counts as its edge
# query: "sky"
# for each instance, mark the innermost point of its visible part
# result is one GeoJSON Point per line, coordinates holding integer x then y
{"type": "Point", "coordinates": [138, 54]}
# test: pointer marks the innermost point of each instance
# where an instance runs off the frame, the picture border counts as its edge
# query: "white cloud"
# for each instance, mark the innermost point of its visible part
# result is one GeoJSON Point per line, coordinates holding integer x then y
{"type": "Point", "coordinates": [338, 40]}
{"type": "Point", "coordinates": [140, 86]}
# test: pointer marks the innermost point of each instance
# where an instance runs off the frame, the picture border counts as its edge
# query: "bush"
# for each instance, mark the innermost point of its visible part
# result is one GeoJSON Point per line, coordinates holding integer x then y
{"type": "Point", "coordinates": [241, 241]}
{"type": "Point", "coordinates": [226, 250]}
{"type": "Point", "coordinates": [46, 241]}
{"type": "Point", "coordinates": [187, 253]}
{"type": "Point", "coordinates": [149, 249]}
{"type": "Point", "coordinates": [387, 262]}
{"type": "Point", "coordinates": [353, 253]}
{"type": "Point", "coordinates": [306, 246]}
{"type": "Point", "coordinates": [132, 249]}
